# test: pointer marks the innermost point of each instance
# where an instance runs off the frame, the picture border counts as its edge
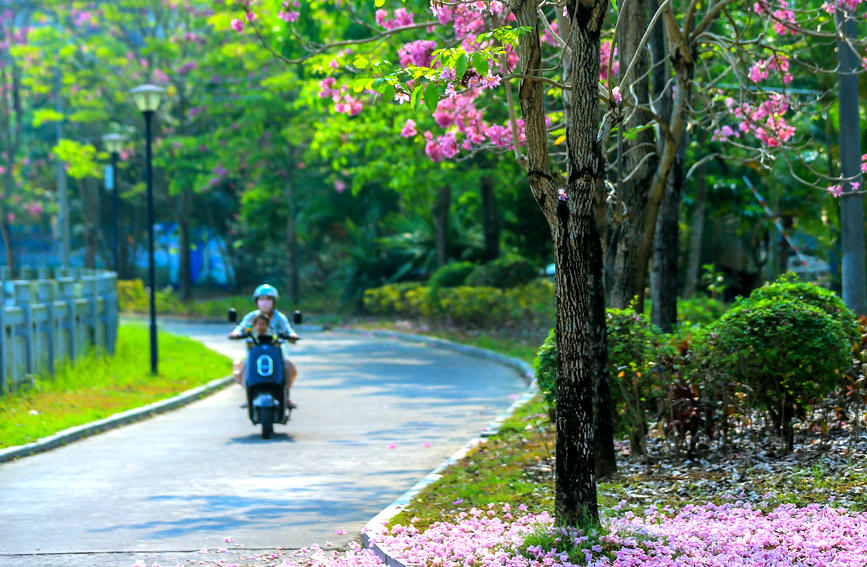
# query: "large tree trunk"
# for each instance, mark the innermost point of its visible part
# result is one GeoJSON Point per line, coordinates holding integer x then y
{"type": "Point", "coordinates": [490, 219]}
{"type": "Point", "coordinates": [185, 271]}
{"type": "Point", "coordinates": [440, 211]}
{"type": "Point", "coordinates": [851, 203]}
{"type": "Point", "coordinates": [695, 233]}
{"type": "Point", "coordinates": [582, 352]}
{"type": "Point", "coordinates": [666, 248]}
{"type": "Point", "coordinates": [639, 160]}
{"type": "Point", "coordinates": [291, 242]}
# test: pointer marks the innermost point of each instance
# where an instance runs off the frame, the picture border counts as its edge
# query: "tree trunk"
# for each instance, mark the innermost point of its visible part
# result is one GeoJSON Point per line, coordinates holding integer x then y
{"type": "Point", "coordinates": [580, 308]}
{"type": "Point", "coordinates": [604, 457]}
{"type": "Point", "coordinates": [784, 250]}
{"type": "Point", "coordinates": [440, 212]}
{"type": "Point", "coordinates": [490, 219]}
{"type": "Point", "coordinates": [639, 158]}
{"type": "Point", "coordinates": [291, 242]}
{"type": "Point", "coordinates": [851, 204]}
{"type": "Point", "coordinates": [695, 234]}
{"type": "Point", "coordinates": [666, 249]}
{"type": "Point", "coordinates": [8, 184]}
{"type": "Point", "coordinates": [185, 271]}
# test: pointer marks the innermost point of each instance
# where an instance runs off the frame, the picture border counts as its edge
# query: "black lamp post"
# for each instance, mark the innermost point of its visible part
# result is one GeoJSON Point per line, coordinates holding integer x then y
{"type": "Point", "coordinates": [147, 99]}
{"type": "Point", "coordinates": [114, 143]}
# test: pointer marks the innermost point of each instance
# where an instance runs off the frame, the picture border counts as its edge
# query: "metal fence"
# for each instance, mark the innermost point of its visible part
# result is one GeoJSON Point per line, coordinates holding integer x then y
{"type": "Point", "coordinates": [52, 315]}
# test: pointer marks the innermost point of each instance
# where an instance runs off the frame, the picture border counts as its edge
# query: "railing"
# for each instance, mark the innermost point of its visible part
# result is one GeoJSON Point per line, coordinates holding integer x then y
{"type": "Point", "coordinates": [52, 315]}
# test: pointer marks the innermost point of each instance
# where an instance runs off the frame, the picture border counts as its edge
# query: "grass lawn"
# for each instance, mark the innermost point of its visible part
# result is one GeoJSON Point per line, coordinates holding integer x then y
{"type": "Point", "coordinates": [97, 386]}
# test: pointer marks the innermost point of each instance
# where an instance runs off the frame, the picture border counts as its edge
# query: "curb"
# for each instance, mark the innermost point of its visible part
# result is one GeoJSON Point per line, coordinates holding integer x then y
{"type": "Point", "coordinates": [375, 527]}
{"type": "Point", "coordinates": [136, 414]}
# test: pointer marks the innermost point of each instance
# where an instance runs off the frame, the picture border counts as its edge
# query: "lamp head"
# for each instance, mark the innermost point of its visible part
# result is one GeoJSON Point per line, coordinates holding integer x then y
{"type": "Point", "coordinates": [147, 97]}
{"type": "Point", "coordinates": [114, 142]}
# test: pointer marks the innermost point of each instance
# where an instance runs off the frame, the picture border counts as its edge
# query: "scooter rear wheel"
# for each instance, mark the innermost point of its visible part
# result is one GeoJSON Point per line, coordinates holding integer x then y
{"type": "Point", "coordinates": [267, 424]}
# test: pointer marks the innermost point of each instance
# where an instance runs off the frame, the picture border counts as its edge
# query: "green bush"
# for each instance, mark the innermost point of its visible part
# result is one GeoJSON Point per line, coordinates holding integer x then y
{"type": "Point", "coordinates": [451, 275]}
{"type": "Point", "coordinates": [545, 368]}
{"type": "Point", "coordinates": [780, 351]}
{"type": "Point", "coordinates": [699, 310]}
{"type": "Point", "coordinates": [503, 273]}
{"type": "Point", "coordinates": [391, 299]}
{"type": "Point", "coordinates": [788, 286]}
{"type": "Point", "coordinates": [132, 296]}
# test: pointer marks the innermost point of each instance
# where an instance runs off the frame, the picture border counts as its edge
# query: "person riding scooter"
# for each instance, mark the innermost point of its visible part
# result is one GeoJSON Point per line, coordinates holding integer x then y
{"type": "Point", "coordinates": [265, 297]}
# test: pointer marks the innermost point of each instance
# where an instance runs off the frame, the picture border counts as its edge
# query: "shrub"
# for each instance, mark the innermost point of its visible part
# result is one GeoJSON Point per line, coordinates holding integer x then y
{"type": "Point", "coordinates": [451, 275]}
{"type": "Point", "coordinates": [545, 368]}
{"type": "Point", "coordinates": [699, 310]}
{"type": "Point", "coordinates": [788, 286]}
{"type": "Point", "coordinates": [783, 350]}
{"type": "Point", "coordinates": [132, 296]}
{"type": "Point", "coordinates": [390, 299]}
{"type": "Point", "coordinates": [503, 273]}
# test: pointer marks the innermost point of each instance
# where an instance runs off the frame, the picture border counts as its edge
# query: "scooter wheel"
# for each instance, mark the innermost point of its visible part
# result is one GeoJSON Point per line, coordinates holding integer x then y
{"type": "Point", "coordinates": [267, 424]}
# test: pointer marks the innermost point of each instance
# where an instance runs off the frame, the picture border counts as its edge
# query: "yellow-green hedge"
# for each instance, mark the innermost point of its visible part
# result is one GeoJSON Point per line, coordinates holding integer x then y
{"type": "Point", "coordinates": [466, 306]}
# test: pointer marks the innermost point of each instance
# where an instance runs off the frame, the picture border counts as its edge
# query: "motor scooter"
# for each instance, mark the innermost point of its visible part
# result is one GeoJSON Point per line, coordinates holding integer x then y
{"type": "Point", "coordinates": [264, 379]}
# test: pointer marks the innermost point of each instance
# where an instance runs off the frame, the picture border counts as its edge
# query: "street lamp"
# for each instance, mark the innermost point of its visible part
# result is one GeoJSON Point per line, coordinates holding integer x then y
{"type": "Point", "coordinates": [147, 99]}
{"type": "Point", "coordinates": [114, 143]}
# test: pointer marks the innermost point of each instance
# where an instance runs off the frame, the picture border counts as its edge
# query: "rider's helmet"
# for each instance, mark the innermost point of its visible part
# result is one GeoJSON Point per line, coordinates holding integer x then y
{"type": "Point", "coordinates": [265, 290]}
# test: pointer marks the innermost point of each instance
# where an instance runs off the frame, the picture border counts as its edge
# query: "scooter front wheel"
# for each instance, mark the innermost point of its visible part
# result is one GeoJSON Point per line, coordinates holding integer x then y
{"type": "Point", "coordinates": [267, 424]}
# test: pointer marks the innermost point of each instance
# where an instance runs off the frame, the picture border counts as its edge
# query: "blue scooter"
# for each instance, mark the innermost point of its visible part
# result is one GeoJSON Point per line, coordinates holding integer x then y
{"type": "Point", "coordinates": [264, 380]}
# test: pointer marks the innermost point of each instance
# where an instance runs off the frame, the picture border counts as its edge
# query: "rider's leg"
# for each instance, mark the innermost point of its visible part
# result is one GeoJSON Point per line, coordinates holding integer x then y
{"type": "Point", "coordinates": [290, 372]}
{"type": "Point", "coordinates": [239, 370]}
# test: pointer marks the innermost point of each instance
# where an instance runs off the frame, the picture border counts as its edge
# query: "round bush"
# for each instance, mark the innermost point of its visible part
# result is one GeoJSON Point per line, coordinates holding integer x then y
{"type": "Point", "coordinates": [545, 368]}
{"type": "Point", "coordinates": [782, 349]}
{"type": "Point", "coordinates": [788, 286]}
{"type": "Point", "coordinates": [452, 275]}
{"type": "Point", "coordinates": [503, 273]}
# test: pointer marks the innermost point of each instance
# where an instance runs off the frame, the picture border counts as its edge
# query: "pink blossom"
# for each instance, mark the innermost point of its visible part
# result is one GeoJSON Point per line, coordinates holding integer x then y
{"type": "Point", "coordinates": [409, 129]}
{"type": "Point", "coordinates": [615, 92]}
{"type": "Point", "coordinates": [417, 53]}
{"type": "Point", "coordinates": [561, 194]}
{"type": "Point", "coordinates": [339, 186]}
{"type": "Point", "coordinates": [835, 190]}
{"type": "Point", "coordinates": [237, 25]}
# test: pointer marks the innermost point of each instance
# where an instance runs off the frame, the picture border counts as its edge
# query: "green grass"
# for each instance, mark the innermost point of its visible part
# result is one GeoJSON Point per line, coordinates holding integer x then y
{"type": "Point", "coordinates": [97, 386]}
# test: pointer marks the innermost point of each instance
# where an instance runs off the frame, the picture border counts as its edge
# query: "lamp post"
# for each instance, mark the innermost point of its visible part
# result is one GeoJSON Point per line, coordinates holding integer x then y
{"type": "Point", "coordinates": [114, 143]}
{"type": "Point", "coordinates": [147, 99]}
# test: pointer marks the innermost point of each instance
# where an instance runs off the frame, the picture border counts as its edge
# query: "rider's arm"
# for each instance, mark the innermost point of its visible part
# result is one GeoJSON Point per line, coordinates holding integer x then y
{"type": "Point", "coordinates": [282, 326]}
{"type": "Point", "coordinates": [245, 323]}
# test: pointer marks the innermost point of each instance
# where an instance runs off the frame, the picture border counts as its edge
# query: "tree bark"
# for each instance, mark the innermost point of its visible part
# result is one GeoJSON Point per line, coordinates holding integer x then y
{"type": "Point", "coordinates": [695, 234]}
{"type": "Point", "coordinates": [663, 284]}
{"type": "Point", "coordinates": [440, 211]}
{"type": "Point", "coordinates": [490, 219]}
{"type": "Point", "coordinates": [90, 205]}
{"type": "Point", "coordinates": [851, 204]}
{"type": "Point", "coordinates": [640, 159]}
{"type": "Point", "coordinates": [580, 308]}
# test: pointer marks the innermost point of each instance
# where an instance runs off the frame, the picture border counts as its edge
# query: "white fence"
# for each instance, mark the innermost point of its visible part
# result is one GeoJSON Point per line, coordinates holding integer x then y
{"type": "Point", "coordinates": [51, 316]}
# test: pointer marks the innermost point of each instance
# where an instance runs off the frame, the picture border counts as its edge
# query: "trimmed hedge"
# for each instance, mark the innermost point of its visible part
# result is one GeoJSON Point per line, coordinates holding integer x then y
{"type": "Point", "coordinates": [467, 306]}
{"type": "Point", "coordinates": [503, 273]}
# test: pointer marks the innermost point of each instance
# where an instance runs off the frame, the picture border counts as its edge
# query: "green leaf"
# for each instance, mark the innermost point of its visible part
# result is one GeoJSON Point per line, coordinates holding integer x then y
{"type": "Point", "coordinates": [416, 93]}
{"type": "Point", "coordinates": [431, 96]}
{"type": "Point", "coordinates": [461, 65]}
{"type": "Point", "coordinates": [379, 3]}
{"type": "Point", "coordinates": [480, 63]}
{"type": "Point", "coordinates": [361, 62]}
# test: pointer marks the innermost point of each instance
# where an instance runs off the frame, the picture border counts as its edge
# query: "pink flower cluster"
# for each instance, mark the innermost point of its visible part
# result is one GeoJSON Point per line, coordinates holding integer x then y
{"type": "Point", "coordinates": [401, 18]}
{"type": "Point", "coordinates": [287, 13]}
{"type": "Point", "coordinates": [417, 53]}
{"type": "Point", "coordinates": [776, 63]}
{"type": "Point", "coordinates": [765, 121]}
{"type": "Point", "coordinates": [344, 102]}
{"type": "Point", "coordinates": [782, 17]}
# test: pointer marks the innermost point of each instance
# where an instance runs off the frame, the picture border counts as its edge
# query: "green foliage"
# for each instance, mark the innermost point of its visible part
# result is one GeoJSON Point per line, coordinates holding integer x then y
{"type": "Point", "coordinates": [699, 310]}
{"type": "Point", "coordinates": [545, 369]}
{"type": "Point", "coordinates": [780, 350]}
{"type": "Point", "coordinates": [503, 273]}
{"type": "Point", "coordinates": [452, 275]}
{"type": "Point", "coordinates": [788, 286]}
{"type": "Point", "coordinates": [465, 306]}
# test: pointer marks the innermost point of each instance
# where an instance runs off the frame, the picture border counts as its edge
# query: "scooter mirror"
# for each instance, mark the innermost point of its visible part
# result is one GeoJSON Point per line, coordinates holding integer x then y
{"type": "Point", "coordinates": [296, 317]}
{"type": "Point", "coordinates": [233, 315]}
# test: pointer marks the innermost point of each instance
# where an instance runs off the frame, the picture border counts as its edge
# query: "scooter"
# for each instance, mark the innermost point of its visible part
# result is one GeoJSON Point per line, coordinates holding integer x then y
{"type": "Point", "coordinates": [264, 380]}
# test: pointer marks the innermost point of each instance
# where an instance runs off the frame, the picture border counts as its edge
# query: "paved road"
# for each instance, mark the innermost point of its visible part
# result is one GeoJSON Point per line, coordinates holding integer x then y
{"type": "Point", "coordinates": [375, 416]}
